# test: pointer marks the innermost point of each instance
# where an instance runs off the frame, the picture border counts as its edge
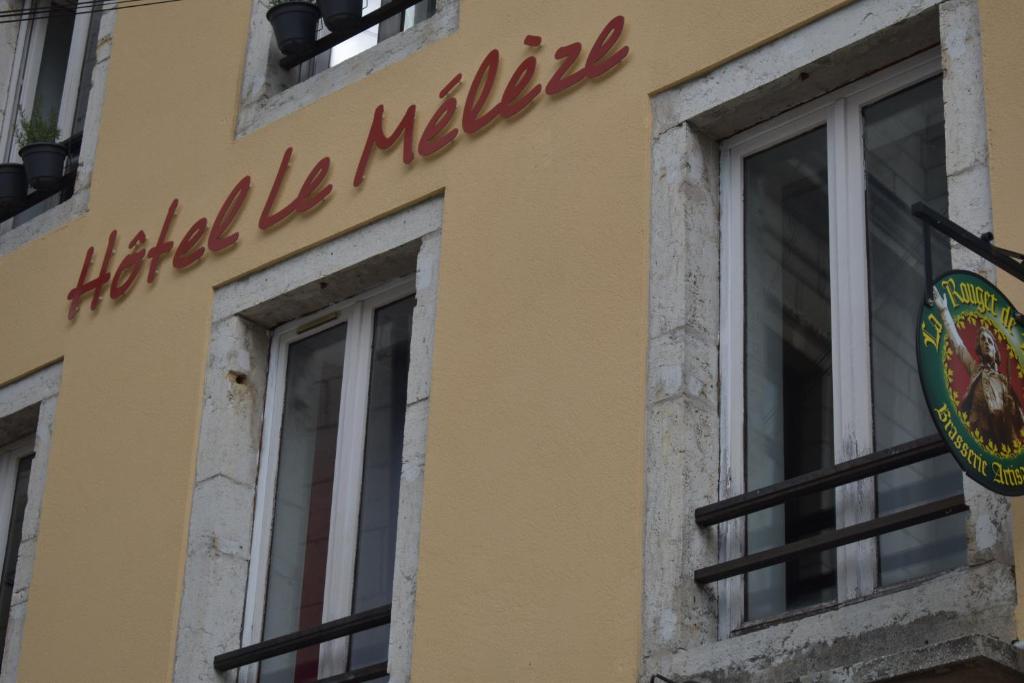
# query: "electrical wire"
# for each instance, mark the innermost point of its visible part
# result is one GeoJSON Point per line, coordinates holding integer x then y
{"type": "Point", "coordinates": [82, 7]}
{"type": "Point", "coordinates": [36, 8]}
{"type": "Point", "coordinates": [57, 6]}
{"type": "Point", "coordinates": [92, 7]}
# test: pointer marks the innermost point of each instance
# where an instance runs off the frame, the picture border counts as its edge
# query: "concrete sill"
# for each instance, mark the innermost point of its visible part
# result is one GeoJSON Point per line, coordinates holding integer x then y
{"type": "Point", "coordinates": [979, 659]}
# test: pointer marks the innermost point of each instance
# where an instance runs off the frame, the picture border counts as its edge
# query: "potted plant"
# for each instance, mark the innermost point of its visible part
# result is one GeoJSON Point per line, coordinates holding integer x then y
{"type": "Point", "coordinates": [13, 187]}
{"type": "Point", "coordinates": [339, 14]}
{"type": "Point", "coordinates": [294, 23]}
{"type": "Point", "coordinates": [43, 156]}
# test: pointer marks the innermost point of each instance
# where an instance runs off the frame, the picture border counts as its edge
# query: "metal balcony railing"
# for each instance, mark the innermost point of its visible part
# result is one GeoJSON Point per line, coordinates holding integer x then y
{"type": "Point", "coordinates": [821, 480]}
{"type": "Point", "coordinates": [339, 628]}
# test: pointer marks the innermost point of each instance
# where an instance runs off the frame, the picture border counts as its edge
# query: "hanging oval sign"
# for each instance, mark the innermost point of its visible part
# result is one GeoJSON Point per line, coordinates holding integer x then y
{"type": "Point", "coordinates": [971, 362]}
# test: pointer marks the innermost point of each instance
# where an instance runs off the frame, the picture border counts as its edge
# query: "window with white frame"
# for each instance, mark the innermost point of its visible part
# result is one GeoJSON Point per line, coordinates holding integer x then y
{"type": "Point", "coordinates": [327, 500]}
{"type": "Point", "coordinates": [823, 279]}
{"type": "Point", "coordinates": [15, 467]}
{"type": "Point", "coordinates": [51, 72]}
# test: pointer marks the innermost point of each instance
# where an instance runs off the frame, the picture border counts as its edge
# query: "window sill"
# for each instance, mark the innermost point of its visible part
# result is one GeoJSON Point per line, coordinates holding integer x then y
{"type": "Point", "coordinates": [804, 612]}
{"type": "Point", "coordinates": [960, 617]}
{"type": "Point", "coordinates": [14, 235]}
{"type": "Point", "coordinates": [260, 106]}
{"type": "Point", "coordinates": [971, 658]}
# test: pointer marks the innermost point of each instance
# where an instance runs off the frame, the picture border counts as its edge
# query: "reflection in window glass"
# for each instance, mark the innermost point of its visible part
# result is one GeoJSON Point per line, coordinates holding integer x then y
{"type": "Point", "coordinates": [382, 469]}
{"type": "Point", "coordinates": [302, 506]}
{"type": "Point", "coordinates": [904, 158]}
{"type": "Point", "coordinates": [788, 363]}
{"type": "Point", "coordinates": [13, 543]}
{"type": "Point", "coordinates": [53, 65]}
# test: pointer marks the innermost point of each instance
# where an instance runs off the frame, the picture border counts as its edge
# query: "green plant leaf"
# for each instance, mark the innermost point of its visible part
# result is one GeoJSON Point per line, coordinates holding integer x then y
{"type": "Point", "coordinates": [37, 128]}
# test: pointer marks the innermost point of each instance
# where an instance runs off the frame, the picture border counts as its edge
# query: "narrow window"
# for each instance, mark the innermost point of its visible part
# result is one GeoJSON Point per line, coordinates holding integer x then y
{"type": "Point", "coordinates": [339, 416]}
{"type": "Point", "coordinates": [904, 162]}
{"type": "Point", "coordinates": [788, 363]}
{"type": "Point", "coordinates": [382, 470]}
{"type": "Point", "coordinates": [302, 506]}
{"type": "Point", "coordinates": [14, 476]}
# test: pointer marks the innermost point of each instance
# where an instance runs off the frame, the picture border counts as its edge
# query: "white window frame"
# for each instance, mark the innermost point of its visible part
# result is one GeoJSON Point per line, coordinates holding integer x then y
{"type": "Point", "coordinates": [358, 313]}
{"type": "Point", "coordinates": [25, 77]}
{"type": "Point", "coordinates": [840, 112]}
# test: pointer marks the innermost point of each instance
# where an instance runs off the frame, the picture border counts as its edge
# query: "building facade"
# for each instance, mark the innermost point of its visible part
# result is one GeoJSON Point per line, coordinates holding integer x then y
{"type": "Point", "coordinates": [481, 341]}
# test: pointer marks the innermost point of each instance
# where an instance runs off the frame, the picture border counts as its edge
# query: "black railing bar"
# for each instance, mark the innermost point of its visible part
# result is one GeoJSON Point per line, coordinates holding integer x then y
{"type": "Point", "coordinates": [358, 26]}
{"type": "Point", "coordinates": [367, 673]}
{"type": "Point", "coordinates": [72, 142]}
{"type": "Point", "coordinates": [981, 247]}
{"type": "Point", "coordinates": [339, 628]}
{"type": "Point", "coordinates": [833, 539]}
{"type": "Point", "coordinates": [821, 480]}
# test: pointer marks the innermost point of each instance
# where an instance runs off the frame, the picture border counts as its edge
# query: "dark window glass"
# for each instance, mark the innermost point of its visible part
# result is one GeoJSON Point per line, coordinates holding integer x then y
{"type": "Point", "coordinates": [904, 162]}
{"type": "Point", "coordinates": [302, 505]}
{"type": "Point", "coordinates": [382, 469]}
{"type": "Point", "coordinates": [788, 363]}
{"type": "Point", "coordinates": [13, 543]}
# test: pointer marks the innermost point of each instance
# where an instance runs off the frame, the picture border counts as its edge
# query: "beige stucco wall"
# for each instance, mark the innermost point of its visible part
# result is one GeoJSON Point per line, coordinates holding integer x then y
{"type": "Point", "coordinates": [1001, 23]}
{"type": "Point", "coordinates": [533, 509]}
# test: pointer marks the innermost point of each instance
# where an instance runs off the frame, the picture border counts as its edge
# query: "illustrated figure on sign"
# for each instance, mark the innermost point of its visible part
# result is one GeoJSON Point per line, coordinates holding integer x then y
{"type": "Point", "coordinates": [991, 405]}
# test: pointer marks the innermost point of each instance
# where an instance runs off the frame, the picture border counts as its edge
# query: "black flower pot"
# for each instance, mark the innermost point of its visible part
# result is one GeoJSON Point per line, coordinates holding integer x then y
{"type": "Point", "coordinates": [294, 26]}
{"type": "Point", "coordinates": [13, 187]}
{"type": "Point", "coordinates": [44, 164]}
{"type": "Point", "coordinates": [339, 14]}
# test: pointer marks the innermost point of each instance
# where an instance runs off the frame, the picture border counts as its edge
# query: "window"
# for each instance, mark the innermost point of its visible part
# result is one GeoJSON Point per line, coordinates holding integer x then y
{"type": "Point", "coordinates": [823, 281]}
{"type": "Point", "coordinates": [364, 40]}
{"type": "Point", "coordinates": [274, 86]}
{"type": "Point", "coordinates": [256, 322]}
{"type": "Point", "coordinates": [327, 503]}
{"type": "Point", "coordinates": [878, 62]}
{"type": "Point", "coordinates": [27, 411]}
{"type": "Point", "coordinates": [15, 466]}
{"type": "Point", "coordinates": [51, 77]}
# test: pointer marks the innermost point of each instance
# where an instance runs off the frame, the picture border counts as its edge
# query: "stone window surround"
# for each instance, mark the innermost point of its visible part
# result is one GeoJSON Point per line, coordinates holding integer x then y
{"type": "Point", "coordinates": [244, 313]}
{"type": "Point", "coordinates": [267, 94]}
{"type": "Point", "coordinates": [27, 407]}
{"type": "Point", "coordinates": [13, 236]}
{"type": "Point", "coordinates": [968, 611]}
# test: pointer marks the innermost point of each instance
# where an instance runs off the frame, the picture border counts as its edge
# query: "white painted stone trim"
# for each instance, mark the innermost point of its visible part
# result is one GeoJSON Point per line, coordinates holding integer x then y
{"type": "Point", "coordinates": [221, 525]}
{"type": "Point", "coordinates": [13, 236]}
{"type": "Point", "coordinates": [39, 389]}
{"type": "Point", "coordinates": [686, 629]}
{"type": "Point", "coordinates": [268, 93]}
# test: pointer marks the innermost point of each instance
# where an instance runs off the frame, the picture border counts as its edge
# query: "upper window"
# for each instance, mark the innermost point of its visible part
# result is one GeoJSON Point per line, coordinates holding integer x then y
{"type": "Point", "coordinates": [295, 46]}
{"type": "Point", "coordinates": [823, 281]}
{"type": "Point", "coordinates": [327, 506]}
{"type": "Point", "coordinates": [49, 84]}
{"type": "Point", "coordinates": [323, 55]}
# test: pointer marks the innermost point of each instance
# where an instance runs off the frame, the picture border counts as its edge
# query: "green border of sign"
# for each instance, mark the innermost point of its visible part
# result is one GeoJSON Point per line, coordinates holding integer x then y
{"type": "Point", "coordinates": [1000, 470]}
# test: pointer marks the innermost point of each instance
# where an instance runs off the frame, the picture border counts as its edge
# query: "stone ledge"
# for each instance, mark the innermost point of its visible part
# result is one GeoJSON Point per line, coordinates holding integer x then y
{"type": "Point", "coordinates": [979, 659]}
